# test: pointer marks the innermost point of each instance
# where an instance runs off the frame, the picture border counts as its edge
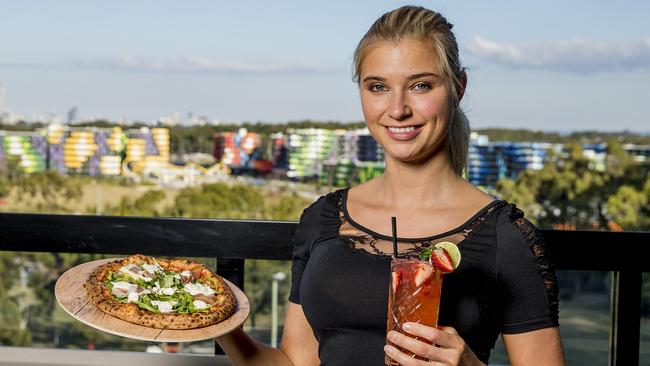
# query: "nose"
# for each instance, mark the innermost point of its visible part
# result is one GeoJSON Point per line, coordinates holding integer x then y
{"type": "Point", "coordinates": [399, 109]}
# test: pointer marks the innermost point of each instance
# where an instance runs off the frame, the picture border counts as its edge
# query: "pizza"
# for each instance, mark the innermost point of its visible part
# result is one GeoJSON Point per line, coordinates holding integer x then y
{"type": "Point", "coordinates": [160, 293]}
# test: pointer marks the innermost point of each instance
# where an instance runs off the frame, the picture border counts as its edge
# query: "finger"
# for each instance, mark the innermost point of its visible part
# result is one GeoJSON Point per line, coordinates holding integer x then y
{"type": "Point", "coordinates": [406, 360]}
{"type": "Point", "coordinates": [418, 347]}
{"type": "Point", "coordinates": [449, 330]}
{"type": "Point", "coordinates": [450, 338]}
{"type": "Point", "coordinates": [429, 333]}
{"type": "Point", "coordinates": [446, 337]}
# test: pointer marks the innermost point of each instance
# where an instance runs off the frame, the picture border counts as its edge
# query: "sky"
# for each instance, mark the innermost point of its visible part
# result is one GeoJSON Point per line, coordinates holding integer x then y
{"type": "Point", "coordinates": [552, 65]}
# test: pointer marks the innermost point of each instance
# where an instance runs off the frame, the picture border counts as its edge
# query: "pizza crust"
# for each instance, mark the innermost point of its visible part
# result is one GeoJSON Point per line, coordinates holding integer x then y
{"type": "Point", "coordinates": [102, 298]}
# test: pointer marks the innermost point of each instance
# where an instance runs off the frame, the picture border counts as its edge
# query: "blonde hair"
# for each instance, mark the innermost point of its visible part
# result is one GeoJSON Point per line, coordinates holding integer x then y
{"type": "Point", "coordinates": [416, 22]}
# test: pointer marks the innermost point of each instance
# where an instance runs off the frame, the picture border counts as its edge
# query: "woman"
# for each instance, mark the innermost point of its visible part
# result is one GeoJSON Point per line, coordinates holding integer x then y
{"type": "Point", "coordinates": [411, 83]}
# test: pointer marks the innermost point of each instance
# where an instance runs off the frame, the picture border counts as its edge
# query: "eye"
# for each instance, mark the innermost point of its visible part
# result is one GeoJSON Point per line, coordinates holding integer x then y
{"type": "Point", "coordinates": [377, 88]}
{"type": "Point", "coordinates": [421, 86]}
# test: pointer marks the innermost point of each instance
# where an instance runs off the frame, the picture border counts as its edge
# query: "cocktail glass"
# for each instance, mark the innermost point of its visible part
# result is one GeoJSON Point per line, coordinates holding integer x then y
{"type": "Point", "coordinates": [414, 296]}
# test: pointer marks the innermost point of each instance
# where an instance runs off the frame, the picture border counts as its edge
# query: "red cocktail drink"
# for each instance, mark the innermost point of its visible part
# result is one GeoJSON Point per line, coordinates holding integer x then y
{"type": "Point", "coordinates": [414, 295]}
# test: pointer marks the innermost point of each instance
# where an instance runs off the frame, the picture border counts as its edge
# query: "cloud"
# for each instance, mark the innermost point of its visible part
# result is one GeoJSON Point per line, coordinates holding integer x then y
{"type": "Point", "coordinates": [28, 65]}
{"type": "Point", "coordinates": [179, 65]}
{"type": "Point", "coordinates": [577, 56]}
{"type": "Point", "coordinates": [191, 65]}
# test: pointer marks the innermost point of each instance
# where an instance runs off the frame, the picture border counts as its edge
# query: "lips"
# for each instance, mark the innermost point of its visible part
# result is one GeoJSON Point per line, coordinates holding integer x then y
{"type": "Point", "coordinates": [403, 133]}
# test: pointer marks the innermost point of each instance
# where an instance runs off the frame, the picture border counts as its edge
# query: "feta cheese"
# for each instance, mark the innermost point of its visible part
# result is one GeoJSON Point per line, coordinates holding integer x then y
{"type": "Point", "coordinates": [164, 306]}
{"type": "Point", "coordinates": [198, 288]}
{"type": "Point", "coordinates": [198, 304]}
{"type": "Point", "coordinates": [152, 268]}
{"type": "Point", "coordinates": [133, 296]}
{"type": "Point", "coordinates": [167, 291]}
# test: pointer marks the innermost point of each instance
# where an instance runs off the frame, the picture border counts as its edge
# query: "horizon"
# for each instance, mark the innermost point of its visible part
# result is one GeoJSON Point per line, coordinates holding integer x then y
{"type": "Point", "coordinates": [242, 62]}
{"type": "Point", "coordinates": [84, 124]}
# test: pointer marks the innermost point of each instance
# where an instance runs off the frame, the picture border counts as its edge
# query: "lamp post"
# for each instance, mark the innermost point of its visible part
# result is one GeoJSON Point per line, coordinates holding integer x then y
{"type": "Point", "coordinates": [277, 277]}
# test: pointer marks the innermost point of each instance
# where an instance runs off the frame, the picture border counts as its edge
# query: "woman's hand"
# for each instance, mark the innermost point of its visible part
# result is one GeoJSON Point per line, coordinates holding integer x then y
{"type": "Point", "coordinates": [444, 347]}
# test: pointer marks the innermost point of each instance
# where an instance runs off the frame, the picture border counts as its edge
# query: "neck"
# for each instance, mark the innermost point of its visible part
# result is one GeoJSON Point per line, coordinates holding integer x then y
{"type": "Point", "coordinates": [418, 185]}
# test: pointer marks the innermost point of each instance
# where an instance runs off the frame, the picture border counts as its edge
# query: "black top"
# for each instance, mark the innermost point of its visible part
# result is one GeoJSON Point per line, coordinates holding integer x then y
{"type": "Point", "coordinates": [341, 270]}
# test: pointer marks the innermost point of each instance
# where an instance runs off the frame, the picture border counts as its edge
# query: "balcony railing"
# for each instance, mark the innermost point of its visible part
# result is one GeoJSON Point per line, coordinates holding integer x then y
{"type": "Point", "coordinates": [231, 242]}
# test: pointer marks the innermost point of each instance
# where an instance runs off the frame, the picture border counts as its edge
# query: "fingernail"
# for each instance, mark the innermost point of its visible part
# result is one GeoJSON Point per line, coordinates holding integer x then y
{"type": "Point", "coordinates": [407, 326]}
{"type": "Point", "coordinates": [389, 350]}
{"type": "Point", "coordinates": [392, 335]}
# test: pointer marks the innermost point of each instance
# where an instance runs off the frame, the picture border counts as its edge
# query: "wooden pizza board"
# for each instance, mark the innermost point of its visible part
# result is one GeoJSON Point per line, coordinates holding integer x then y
{"type": "Point", "coordinates": [73, 298]}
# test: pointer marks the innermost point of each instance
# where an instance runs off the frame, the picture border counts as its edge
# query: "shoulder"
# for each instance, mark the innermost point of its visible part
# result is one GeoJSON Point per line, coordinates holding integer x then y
{"type": "Point", "coordinates": [319, 219]}
{"type": "Point", "coordinates": [513, 224]}
{"type": "Point", "coordinates": [520, 244]}
{"type": "Point", "coordinates": [326, 206]}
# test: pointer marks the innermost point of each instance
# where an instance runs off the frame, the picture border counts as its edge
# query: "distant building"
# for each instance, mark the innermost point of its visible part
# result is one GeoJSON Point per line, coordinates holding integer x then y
{"type": "Point", "coordinates": [85, 150]}
{"type": "Point", "coordinates": [308, 150]}
{"type": "Point", "coordinates": [488, 162]}
{"type": "Point", "coordinates": [640, 153]}
{"type": "Point", "coordinates": [28, 150]}
{"type": "Point", "coordinates": [330, 157]}
{"type": "Point", "coordinates": [72, 115]}
{"type": "Point", "coordinates": [239, 150]}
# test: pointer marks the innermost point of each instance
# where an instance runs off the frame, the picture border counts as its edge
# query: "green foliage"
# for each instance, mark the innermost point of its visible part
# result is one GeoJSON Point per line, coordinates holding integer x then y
{"type": "Point", "coordinates": [237, 201]}
{"type": "Point", "coordinates": [219, 201]}
{"type": "Point", "coordinates": [519, 192]}
{"type": "Point", "coordinates": [10, 314]}
{"type": "Point", "coordinates": [15, 337]}
{"type": "Point", "coordinates": [201, 138]}
{"type": "Point", "coordinates": [51, 190]}
{"type": "Point", "coordinates": [257, 284]}
{"type": "Point", "coordinates": [627, 205]}
{"type": "Point", "coordinates": [5, 188]}
{"type": "Point", "coordinates": [22, 126]}
{"type": "Point", "coordinates": [570, 192]}
{"type": "Point", "coordinates": [287, 208]}
{"type": "Point", "coordinates": [144, 205]}
{"type": "Point", "coordinates": [582, 137]}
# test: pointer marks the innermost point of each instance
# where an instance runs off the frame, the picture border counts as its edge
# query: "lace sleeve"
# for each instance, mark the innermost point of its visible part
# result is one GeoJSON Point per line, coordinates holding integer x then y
{"type": "Point", "coordinates": [528, 285]}
{"type": "Point", "coordinates": [302, 240]}
{"type": "Point", "coordinates": [317, 221]}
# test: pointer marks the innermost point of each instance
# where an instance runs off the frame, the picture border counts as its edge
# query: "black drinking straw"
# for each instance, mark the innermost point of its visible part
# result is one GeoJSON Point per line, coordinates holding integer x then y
{"type": "Point", "coordinates": [393, 221]}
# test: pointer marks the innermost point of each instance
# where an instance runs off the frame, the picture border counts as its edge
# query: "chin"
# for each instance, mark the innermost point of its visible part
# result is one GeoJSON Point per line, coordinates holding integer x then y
{"type": "Point", "coordinates": [411, 158]}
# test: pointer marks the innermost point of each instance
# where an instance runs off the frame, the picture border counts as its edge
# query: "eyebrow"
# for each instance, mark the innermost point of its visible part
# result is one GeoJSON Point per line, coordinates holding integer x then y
{"type": "Point", "coordinates": [411, 77]}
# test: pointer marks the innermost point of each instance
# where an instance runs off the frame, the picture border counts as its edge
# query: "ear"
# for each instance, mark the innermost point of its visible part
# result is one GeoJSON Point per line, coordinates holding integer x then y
{"type": "Point", "coordinates": [462, 84]}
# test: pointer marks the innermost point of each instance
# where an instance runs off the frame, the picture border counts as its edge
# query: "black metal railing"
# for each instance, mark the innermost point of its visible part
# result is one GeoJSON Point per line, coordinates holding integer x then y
{"type": "Point", "coordinates": [234, 241]}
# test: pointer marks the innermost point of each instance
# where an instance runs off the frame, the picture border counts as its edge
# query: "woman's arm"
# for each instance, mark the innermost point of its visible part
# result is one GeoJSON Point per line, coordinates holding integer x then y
{"type": "Point", "coordinates": [299, 346]}
{"type": "Point", "coordinates": [539, 347]}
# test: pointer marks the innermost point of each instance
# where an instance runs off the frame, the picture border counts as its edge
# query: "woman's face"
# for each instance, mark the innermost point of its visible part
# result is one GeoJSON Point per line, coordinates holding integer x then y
{"type": "Point", "coordinates": [406, 103]}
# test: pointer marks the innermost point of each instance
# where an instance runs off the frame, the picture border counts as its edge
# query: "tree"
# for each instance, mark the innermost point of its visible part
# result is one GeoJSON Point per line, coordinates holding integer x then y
{"type": "Point", "coordinates": [145, 205]}
{"type": "Point", "coordinates": [625, 207]}
{"type": "Point", "coordinates": [51, 189]}
{"type": "Point", "coordinates": [10, 314]}
{"type": "Point", "coordinates": [573, 192]}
